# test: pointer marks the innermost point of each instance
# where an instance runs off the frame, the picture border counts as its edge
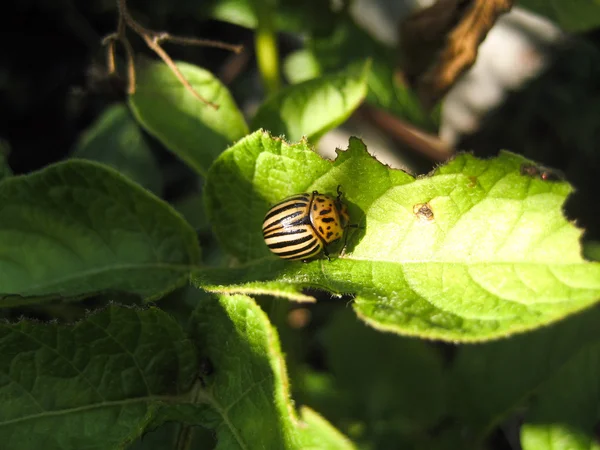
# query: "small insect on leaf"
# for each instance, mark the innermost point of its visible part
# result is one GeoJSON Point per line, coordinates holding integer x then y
{"type": "Point", "coordinates": [301, 226]}
{"type": "Point", "coordinates": [423, 211]}
{"type": "Point", "coordinates": [542, 172]}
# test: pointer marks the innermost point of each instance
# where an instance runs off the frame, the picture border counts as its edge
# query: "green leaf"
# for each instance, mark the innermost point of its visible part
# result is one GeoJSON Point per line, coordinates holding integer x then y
{"type": "Point", "coordinates": [346, 43]}
{"type": "Point", "coordinates": [318, 434]}
{"type": "Point", "coordinates": [115, 139]}
{"type": "Point", "coordinates": [194, 131]}
{"type": "Point", "coordinates": [314, 107]}
{"type": "Point", "coordinates": [79, 227]}
{"type": "Point", "coordinates": [491, 381]}
{"type": "Point", "coordinates": [300, 66]}
{"type": "Point", "coordinates": [290, 15]}
{"type": "Point", "coordinates": [473, 252]}
{"type": "Point", "coordinates": [92, 385]}
{"type": "Point", "coordinates": [248, 389]}
{"type": "Point", "coordinates": [574, 15]}
{"type": "Point", "coordinates": [171, 434]}
{"type": "Point", "coordinates": [392, 403]}
{"type": "Point", "coordinates": [591, 250]}
{"type": "Point", "coordinates": [191, 208]}
{"type": "Point", "coordinates": [567, 410]}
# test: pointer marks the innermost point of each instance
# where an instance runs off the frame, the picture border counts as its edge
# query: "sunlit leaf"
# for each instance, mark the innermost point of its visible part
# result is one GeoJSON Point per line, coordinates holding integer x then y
{"type": "Point", "coordinates": [313, 107]}
{"type": "Point", "coordinates": [474, 251]}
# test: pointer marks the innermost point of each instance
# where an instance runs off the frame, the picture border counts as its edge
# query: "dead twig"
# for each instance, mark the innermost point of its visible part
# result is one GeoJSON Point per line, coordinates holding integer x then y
{"type": "Point", "coordinates": [421, 142]}
{"type": "Point", "coordinates": [153, 39]}
{"type": "Point", "coordinates": [440, 43]}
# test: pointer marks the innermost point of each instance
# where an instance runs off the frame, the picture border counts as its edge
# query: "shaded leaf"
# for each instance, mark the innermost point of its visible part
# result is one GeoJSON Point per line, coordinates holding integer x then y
{"type": "Point", "coordinates": [506, 373]}
{"type": "Point", "coordinates": [475, 251]}
{"type": "Point", "coordinates": [566, 410]}
{"type": "Point", "coordinates": [313, 107]}
{"type": "Point", "coordinates": [192, 130]}
{"type": "Point", "coordinates": [191, 208]}
{"type": "Point", "coordinates": [248, 389]}
{"type": "Point", "coordinates": [396, 393]}
{"type": "Point", "coordinates": [92, 385]}
{"type": "Point", "coordinates": [116, 140]}
{"type": "Point", "coordinates": [591, 250]}
{"type": "Point", "coordinates": [79, 227]}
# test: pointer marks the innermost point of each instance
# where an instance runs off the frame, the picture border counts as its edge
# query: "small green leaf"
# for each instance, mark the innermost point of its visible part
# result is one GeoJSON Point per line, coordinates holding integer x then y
{"type": "Point", "coordinates": [115, 139]}
{"type": "Point", "coordinates": [314, 107]}
{"type": "Point", "coordinates": [566, 410]}
{"type": "Point", "coordinates": [92, 385]}
{"type": "Point", "coordinates": [248, 389]}
{"type": "Point", "coordinates": [346, 43]}
{"type": "Point", "coordinates": [492, 380]}
{"type": "Point", "coordinates": [574, 15]}
{"type": "Point", "coordinates": [79, 227]}
{"type": "Point", "coordinates": [194, 131]}
{"type": "Point", "coordinates": [473, 252]}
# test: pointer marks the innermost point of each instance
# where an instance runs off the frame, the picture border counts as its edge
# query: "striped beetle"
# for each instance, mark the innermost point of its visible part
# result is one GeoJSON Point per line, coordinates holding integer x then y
{"type": "Point", "coordinates": [303, 225]}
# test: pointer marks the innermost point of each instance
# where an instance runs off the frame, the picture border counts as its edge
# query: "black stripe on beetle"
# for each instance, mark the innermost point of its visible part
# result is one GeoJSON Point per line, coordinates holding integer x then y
{"type": "Point", "coordinates": [304, 252]}
{"type": "Point", "coordinates": [301, 226]}
{"type": "Point", "coordinates": [292, 206]}
{"type": "Point", "coordinates": [283, 243]}
{"type": "Point", "coordinates": [277, 233]}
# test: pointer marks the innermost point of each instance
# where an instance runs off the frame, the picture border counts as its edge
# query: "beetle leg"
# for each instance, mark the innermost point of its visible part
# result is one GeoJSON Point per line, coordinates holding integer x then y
{"type": "Point", "coordinates": [326, 253]}
{"type": "Point", "coordinates": [339, 192]}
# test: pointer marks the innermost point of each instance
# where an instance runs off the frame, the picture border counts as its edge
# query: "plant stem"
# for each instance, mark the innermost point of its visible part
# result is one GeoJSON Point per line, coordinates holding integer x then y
{"type": "Point", "coordinates": [265, 40]}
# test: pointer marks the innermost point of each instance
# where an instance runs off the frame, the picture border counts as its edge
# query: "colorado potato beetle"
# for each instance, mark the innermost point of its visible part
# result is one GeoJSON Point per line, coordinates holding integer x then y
{"type": "Point", "coordinates": [302, 226]}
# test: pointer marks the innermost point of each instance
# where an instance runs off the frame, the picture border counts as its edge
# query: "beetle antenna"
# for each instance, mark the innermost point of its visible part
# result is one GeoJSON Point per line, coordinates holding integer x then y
{"type": "Point", "coordinates": [339, 192]}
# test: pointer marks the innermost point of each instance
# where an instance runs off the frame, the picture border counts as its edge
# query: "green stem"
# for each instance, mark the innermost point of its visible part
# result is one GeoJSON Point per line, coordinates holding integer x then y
{"type": "Point", "coordinates": [265, 40]}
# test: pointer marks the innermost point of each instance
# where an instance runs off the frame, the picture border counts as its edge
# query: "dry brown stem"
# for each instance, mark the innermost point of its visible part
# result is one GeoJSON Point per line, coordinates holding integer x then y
{"type": "Point", "coordinates": [153, 39]}
{"type": "Point", "coordinates": [421, 142]}
{"type": "Point", "coordinates": [440, 43]}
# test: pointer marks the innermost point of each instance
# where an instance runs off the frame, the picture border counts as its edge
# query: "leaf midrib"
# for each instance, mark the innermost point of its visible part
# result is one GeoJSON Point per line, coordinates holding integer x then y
{"type": "Point", "coordinates": [463, 262]}
{"type": "Point", "coordinates": [91, 407]}
{"type": "Point", "coordinates": [92, 272]}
